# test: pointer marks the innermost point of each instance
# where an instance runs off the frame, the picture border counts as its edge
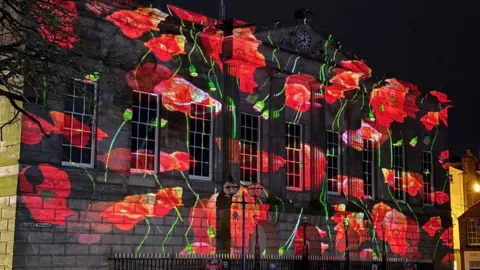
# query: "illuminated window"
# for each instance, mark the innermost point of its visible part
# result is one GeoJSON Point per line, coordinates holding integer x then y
{"type": "Point", "coordinates": [472, 232]}
{"type": "Point", "coordinates": [250, 147]}
{"type": "Point", "coordinates": [333, 160]}
{"type": "Point", "coordinates": [79, 124]}
{"type": "Point", "coordinates": [368, 167]}
{"type": "Point", "coordinates": [398, 172]}
{"type": "Point", "coordinates": [200, 141]}
{"type": "Point", "coordinates": [144, 132]}
{"type": "Point", "coordinates": [427, 164]}
{"type": "Point", "coordinates": [293, 145]}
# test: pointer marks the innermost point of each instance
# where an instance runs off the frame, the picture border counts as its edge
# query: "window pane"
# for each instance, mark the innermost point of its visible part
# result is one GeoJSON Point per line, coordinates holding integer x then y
{"type": "Point", "coordinates": [250, 146]}
{"type": "Point", "coordinates": [200, 137]}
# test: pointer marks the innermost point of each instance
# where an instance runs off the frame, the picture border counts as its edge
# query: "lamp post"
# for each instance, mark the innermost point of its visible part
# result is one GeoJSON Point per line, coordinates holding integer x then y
{"type": "Point", "coordinates": [347, 251]}
{"type": "Point", "coordinates": [230, 188]}
{"type": "Point", "coordinates": [305, 248]}
{"type": "Point", "coordinates": [384, 248]}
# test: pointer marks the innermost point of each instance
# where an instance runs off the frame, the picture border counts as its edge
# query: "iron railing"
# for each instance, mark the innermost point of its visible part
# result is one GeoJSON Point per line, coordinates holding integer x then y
{"type": "Point", "coordinates": [234, 262]}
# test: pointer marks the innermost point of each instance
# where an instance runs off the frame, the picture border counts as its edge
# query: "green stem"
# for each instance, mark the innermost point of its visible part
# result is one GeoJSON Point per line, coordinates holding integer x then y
{"type": "Point", "coordinates": [146, 235]}
{"type": "Point", "coordinates": [110, 149]}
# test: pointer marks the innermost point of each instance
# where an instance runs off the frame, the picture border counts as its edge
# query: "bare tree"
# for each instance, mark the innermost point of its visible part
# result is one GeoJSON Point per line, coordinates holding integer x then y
{"type": "Point", "coordinates": [40, 50]}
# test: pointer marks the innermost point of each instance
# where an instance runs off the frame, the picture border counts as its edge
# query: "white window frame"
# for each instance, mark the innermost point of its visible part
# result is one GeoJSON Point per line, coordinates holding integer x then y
{"type": "Point", "coordinates": [335, 177]}
{"type": "Point", "coordinates": [371, 162]}
{"type": "Point", "coordinates": [427, 189]}
{"type": "Point", "coordinates": [258, 147]}
{"type": "Point", "coordinates": [402, 176]}
{"type": "Point", "coordinates": [301, 157]}
{"type": "Point", "coordinates": [157, 135]}
{"type": "Point", "coordinates": [210, 151]}
{"type": "Point", "coordinates": [471, 228]}
{"type": "Point", "coordinates": [93, 127]}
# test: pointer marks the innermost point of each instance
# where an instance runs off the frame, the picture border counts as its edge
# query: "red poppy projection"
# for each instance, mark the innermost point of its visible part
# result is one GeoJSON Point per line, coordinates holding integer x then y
{"type": "Point", "coordinates": [197, 47]}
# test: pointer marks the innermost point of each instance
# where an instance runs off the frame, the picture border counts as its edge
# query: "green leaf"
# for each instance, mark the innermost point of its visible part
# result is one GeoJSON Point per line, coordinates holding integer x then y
{"type": "Point", "coordinates": [127, 115]}
{"type": "Point", "coordinates": [189, 249]}
{"type": "Point", "coordinates": [211, 233]}
{"type": "Point", "coordinates": [281, 251]}
{"type": "Point", "coordinates": [163, 122]}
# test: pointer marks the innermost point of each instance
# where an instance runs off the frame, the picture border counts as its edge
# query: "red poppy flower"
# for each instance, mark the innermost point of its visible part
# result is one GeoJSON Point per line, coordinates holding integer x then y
{"type": "Point", "coordinates": [379, 211]}
{"type": "Point", "coordinates": [166, 46]}
{"type": "Point", "coordinates": [447, 237]}
{"type": "Point", "coordinates": [388, 103]}
{"type": "Point", "coordinates": [449, 258]}
{"type": "Point", "coordinates": [413, 232]}
{"type": "Point", "coordinates": [184, 160]}
{"type": "Point", "coordinates": [75, 132]}
{"type": "Point", "coordinates": [203, 218]}
{"type": "Point", "coordinates": [410, 106]}
{"type": "Point", "coordinates": [188, 15]}
{"type": "Point", "coordinates": [432, 226]}
{"type": "Point", "coordinates": [315, 159]}
{"type": "Point", "coordinates": [366, 253]}
{"type": "Point", "coordinates": [167, 162]}
{"type": "Point", "coordinates": [354, 138]}
{"type": "Point", "coordinates": [134, 23]}
{"type": "Point", "coordinates": [277, 162]}
{"type": "Point", "coordinates": [166, 199]}
{"type": "Point", "coordinates": [253, 213]}
{"type": "Point", "coordinates": [439, 197]}
{"type": "Point", "coordinates": [442, 98]}
{"type": "Point", "coordinates": [354, 184]}
{"type": "Point", "coordinates": [145, 77]}
{"type": "Point", "coordinates": [125, 215]}
{"type": "Point", "coordinates": [396, 232]}
{"type": "Point", "coordinates": [179, 94]}
{"type": "Point", "coordinates": [118, 159]}
{"type": "Point", "coordinates": [31, 133]}
{"type": "Point", "coordinates": [414, 183]}
{"type": "Point", "coordinates": [47, 202]}
{"type": "Point", "coordinates": [356, 229]}
{"type": "Point", "coordinates": [212, 44]}
{"type": "Point", "coordinates": [444, 158]}
{"type": "Point", "coordinates": [430, 120]}
{"type": "Point", "coordinates": [61, 33]}
{"type": "Point", "coordinates": [298, 92]}
{"type": "Point", "coordinates": [443, 115]}
{"type": "Point", "coordinates": [245, 59]}
{"type": "Point", "coordinates": [355, 66]}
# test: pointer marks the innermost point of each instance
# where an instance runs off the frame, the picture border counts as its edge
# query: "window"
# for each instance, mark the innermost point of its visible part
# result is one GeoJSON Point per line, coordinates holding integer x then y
{"type": "Point", "coordinates": [398, 172]}
{"type": "Point", "coordinates": [472, 232]}
{"type": "Point", "coordinates": [79, 124]}
{"type": "Point", "coordinates": [143, 144]}
{"type": "Point", "coordinates": [200, 140]}
{"type": "Point", "coordinates": [294, 162]}
{"type": "Point", "coordinates": [368, 167]}
{"type": "Point", "coordinates": [249, 138]}
{"type": "Point", "coordinates": [427, 164]}
{"type": "Point", "coordinates": [333, 161]}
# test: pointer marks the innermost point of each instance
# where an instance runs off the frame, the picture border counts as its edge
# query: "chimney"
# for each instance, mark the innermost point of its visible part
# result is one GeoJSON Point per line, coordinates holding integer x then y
{"type": "Point", "coordinates": [303, 13]}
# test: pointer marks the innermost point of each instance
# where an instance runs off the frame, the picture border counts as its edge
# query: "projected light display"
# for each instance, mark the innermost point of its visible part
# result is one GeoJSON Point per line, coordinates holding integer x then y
{"type": "Point", "coordinates": [184, 70]}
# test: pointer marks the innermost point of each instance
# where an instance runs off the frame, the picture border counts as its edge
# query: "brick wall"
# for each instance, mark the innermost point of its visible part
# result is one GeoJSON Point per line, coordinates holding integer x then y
{"type": "Point", "coordinates": [7, 230]}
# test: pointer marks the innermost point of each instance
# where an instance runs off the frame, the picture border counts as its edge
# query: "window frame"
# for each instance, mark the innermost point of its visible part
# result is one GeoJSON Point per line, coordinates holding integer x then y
{"type": "Point", "coordinates": [259, 169]}
{"type": "Point", "coordinates": [336, 180]}
{"type": "Point", "coordinates": [301, 157]}
{"type": "Point", "coordinates": [427, 200]}
{"type": "Point", "coordinates": [93, 127]}
{"type": "Point", "coordinates": [403, 173]}
{"type": "Point", "coordinates": [210, 149]}
{"type": "Point", "coordinates": [470, 232]}
{"type": "Point", "coordinates": [372, 166]}
{"type": "Point", "coordinates": [157, 135]}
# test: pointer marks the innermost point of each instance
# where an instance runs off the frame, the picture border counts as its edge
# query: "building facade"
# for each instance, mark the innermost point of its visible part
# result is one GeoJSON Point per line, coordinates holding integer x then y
{"type": "Point", "coordinates": [465, 193]}
{"type": "Point", "coordinates": [134, 158]}
{"type": "Point", "coordinates": [468, 224]}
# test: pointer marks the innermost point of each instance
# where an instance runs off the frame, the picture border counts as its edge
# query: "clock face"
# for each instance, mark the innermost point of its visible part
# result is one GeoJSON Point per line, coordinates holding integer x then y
{"type": "Point", "coordinates": [303, 40]}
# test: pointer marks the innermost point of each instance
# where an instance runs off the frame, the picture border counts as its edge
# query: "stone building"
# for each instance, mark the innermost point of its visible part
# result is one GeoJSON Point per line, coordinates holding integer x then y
{"type": "Point", "coordinates": [468, 224]}
{"type": "Point", "coordinates": [196, 102]}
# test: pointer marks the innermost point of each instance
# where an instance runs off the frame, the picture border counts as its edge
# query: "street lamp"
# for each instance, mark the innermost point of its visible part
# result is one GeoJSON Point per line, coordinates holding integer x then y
{"type": "Point", "coordinates": [305, 248]}
{"type": "Point", "coordinates": [384, 248]}
{"type": "Point", "coordinates": [347, 251]}
{"type": "Point", "coordinates": [230, 188]}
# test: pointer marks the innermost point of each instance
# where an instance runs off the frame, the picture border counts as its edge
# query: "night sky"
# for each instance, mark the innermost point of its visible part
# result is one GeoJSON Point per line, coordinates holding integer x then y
{"type": "Point", "coordinates": [430, 43]}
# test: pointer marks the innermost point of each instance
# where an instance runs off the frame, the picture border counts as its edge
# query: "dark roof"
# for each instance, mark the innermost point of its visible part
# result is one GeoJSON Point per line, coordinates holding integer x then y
{"type": "Point", "coordinates": [471, 211]}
